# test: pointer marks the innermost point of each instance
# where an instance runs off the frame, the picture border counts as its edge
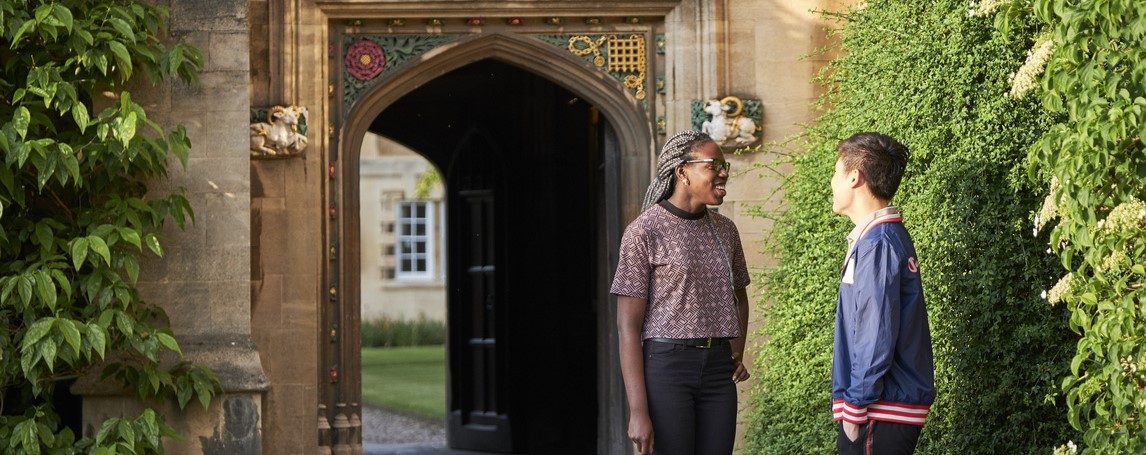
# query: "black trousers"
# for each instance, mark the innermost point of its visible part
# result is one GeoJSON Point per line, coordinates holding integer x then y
{"type": "Point", "coordinates": [879, 438]}
{"type": "Point", "coordinates": [692, 399]}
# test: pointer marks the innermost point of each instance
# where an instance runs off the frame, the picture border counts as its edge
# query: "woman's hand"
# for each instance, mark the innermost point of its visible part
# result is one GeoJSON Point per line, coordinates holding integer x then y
{"type": "Point", "coordinates": [641, 432]}
{"type": "Point", "coordinates": [741, 373]}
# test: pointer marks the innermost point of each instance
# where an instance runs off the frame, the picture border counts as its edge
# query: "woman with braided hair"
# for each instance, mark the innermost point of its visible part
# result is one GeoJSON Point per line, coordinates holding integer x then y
{"type": "Point", "coordinates": [682, 309]}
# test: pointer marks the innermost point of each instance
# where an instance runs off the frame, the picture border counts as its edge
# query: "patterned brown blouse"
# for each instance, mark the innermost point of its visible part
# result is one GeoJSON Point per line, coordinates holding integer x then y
{"type": "Point", "coordinates": [671, 259]}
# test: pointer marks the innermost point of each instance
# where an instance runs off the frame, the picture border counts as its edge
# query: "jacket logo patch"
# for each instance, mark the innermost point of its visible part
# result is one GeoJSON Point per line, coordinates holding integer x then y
{"type": "Point", "coordinates": [912, 265]}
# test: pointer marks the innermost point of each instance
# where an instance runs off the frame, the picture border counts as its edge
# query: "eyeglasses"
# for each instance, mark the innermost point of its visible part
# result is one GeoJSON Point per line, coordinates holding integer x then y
{"type": "Point", "coordinates": [715, 164]}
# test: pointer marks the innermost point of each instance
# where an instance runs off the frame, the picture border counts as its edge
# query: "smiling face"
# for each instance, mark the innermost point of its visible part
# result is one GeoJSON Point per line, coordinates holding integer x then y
{"type": "Point", "coordinates": [706, 180]}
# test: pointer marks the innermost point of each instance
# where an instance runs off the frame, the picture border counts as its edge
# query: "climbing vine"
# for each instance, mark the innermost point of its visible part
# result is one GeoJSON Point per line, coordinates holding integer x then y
{"type": "Point", "coordinates": [76, 218]}
{"type": "Point", "coordinates": [938, 77]}
{"type": "Point", "coordinates": [1090, 68]}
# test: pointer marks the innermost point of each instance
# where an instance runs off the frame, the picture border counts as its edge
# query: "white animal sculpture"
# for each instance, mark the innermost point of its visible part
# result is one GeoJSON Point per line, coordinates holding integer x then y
{"type": "Point", "coordinates": [727, 127]}
{"type": "Point", "coordinates": [279, 135]}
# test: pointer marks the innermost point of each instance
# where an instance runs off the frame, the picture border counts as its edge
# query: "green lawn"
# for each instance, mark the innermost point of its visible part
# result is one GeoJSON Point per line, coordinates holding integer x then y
{"type": "Point", "coordinates": [407, 379]}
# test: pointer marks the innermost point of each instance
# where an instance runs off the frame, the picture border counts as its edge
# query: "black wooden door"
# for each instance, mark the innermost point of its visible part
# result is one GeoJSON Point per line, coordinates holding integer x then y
{"type": "Point", "coordinates": [477, 412]}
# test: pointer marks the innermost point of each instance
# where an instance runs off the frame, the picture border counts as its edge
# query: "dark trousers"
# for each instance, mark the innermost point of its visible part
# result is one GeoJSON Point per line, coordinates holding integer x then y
{"type": "Point", "coordinates": [692, 399]}
{"type": "Point", "coordinates": [879, 438]}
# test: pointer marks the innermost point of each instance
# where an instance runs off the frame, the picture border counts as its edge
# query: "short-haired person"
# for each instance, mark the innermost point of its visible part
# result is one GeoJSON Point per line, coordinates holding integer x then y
{"type": "Point", "coordinates": [682, 309]}
{"type": "Point", "coordinates": [883, 377]}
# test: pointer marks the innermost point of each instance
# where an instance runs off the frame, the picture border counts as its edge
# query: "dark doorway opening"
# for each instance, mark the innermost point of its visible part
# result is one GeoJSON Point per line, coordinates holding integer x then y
{"type": "Point", "coordinates": [524, 173]}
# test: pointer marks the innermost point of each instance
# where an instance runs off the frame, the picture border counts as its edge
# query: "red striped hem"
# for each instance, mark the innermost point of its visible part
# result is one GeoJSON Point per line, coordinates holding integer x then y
{"type": "Point", "coordinates": [883, 411]}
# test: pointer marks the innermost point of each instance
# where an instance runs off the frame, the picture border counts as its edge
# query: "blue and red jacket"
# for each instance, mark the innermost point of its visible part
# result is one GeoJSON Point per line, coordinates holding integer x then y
{"type": "Point", "coordinates": [882, 368]}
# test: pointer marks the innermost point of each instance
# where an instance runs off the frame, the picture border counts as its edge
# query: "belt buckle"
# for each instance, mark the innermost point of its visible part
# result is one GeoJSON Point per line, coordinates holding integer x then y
{"type": "Point", "coordinates": [707, 345]}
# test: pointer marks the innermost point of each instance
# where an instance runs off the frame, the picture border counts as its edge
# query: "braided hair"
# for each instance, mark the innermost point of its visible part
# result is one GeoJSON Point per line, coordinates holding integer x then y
{"type": "Point", "coordinates": [672, 155]}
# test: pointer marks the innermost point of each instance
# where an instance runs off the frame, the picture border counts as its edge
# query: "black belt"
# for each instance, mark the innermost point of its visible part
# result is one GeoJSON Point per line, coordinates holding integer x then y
{"type": "Point", "coordinates": [703, 343]}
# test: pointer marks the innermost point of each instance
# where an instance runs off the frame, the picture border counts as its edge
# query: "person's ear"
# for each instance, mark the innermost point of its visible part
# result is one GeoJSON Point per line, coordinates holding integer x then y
{"type": "Point", "coordinates": [855, 178]}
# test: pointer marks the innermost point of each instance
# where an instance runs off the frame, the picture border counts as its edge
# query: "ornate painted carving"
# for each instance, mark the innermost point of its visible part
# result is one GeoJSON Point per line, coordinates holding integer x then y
{"type": "Point", "coordinates": [392, 52]}
{"type": "Point", "coordinates": [730, 121]}
{"type": "Point", "coordinates": [623, 57]}
{"type": "Point", "coordinates": [365, 60]}
{"type": "Point", "coordinates": [282, 135]}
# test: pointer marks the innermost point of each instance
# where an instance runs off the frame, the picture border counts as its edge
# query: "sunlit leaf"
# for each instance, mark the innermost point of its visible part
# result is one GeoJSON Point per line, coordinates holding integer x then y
{"type": "Point", "coordinates": [99, 246]}
{"type": "Point", "coordinates": [21, 118]}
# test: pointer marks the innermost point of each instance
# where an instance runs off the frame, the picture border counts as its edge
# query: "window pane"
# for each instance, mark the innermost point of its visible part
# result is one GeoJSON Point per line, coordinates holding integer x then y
{"type": "Point", "coordinates": [420, 247]}
{"type": "Point", "coordinates": [420, 229]}
{"type": "Point", "coordinates": [406, 265]}
{"type": "Point", "coordinates": [406, 248]}
{"type": "Point", "coordinates": [405, 212]}
{"type": "Point", "coordinates": [421, 265]}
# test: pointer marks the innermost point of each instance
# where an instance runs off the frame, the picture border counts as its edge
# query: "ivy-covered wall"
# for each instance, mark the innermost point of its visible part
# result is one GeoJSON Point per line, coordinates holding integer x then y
{"type": "Point", "coordinates": [936, 77]}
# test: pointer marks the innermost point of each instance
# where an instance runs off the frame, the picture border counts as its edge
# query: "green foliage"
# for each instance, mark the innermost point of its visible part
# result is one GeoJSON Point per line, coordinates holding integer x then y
{"type": "Point", "coordinates": [427, 181]}
{"type": "Point", "coordinates": [934, 77]}
{"type": "Point", "coordinates": [386, 332]}
{"type": "Point", "coordinates": [76, 218]}
{"type": "Point", "coordinates": [1096, 159]}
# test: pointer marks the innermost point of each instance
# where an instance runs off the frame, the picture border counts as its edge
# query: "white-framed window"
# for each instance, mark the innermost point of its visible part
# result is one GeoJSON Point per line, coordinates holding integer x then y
{"type": "Point", "coordinates": [414, 238]}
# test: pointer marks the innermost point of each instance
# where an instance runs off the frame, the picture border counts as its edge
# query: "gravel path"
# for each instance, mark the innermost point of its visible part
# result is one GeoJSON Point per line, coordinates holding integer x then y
{"type": "Point", "coordinates": [380, 426]}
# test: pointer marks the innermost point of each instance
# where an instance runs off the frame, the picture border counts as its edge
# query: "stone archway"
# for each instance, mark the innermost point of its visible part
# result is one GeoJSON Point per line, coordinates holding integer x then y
{"type": "Point", "coordinates": [626, 168]}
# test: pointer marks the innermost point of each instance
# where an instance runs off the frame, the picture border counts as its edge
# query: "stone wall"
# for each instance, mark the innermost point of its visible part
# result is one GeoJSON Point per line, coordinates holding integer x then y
{"type": "Point", "coordinates": [287, 249]}
{"type": "Point", "coordinates": [204, 280]}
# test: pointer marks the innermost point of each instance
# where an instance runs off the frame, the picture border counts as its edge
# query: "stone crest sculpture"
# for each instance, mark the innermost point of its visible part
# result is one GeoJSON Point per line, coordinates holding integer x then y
{"type": "Point", "coordinates": [726, 125]}
{"type": "Point", "coordinates": [280, 136]}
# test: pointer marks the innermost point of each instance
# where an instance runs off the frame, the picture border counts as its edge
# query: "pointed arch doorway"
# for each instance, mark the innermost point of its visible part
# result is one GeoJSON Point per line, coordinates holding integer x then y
{"type": "Point", "coordinates": [533, 181]}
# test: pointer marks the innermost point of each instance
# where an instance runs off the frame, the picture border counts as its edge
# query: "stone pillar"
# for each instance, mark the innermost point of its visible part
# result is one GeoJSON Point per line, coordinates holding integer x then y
{"type": "Point", "coordinates": [204, 281]}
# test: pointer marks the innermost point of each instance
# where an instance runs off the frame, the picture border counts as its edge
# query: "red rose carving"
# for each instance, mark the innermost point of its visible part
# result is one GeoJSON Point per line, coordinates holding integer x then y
{"type": "Point", "coordinates": [365, 60]}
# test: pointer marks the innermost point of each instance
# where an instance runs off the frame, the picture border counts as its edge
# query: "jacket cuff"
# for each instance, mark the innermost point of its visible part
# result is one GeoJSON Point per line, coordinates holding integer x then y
{"type": "Point", "coordinates": [842, 410]}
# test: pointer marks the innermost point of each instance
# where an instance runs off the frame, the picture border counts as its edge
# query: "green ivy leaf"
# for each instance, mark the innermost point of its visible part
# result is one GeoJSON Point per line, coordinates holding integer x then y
{"type": "Point", "coordinates": [64, 15]}
{"type": "Point", "coordinates": [168, 342]}
{"type": "Point", "coordinates": [122, 58]}
{"type": "Point", "coordinates": [25, 289]}
{"type": "Point", "coordinates": [153, 244]}
{"type": "Point", "coordinates": [36, 332]}
{"type": "Point", "coordinates": [80, 116]}
{"type": "Point", "coordinates": [99, 246]}
{"type": "Point", "coordinates": [48, 349]}
{"type": "Point", "coordinates": [123, 28]}
{"type": "Point", "coordinates": [131, 264]}
{"type": "Point", "coordinates": [46, 289]}
{"type": "Point", "coordinates": [21, 118]}
{"type": "Point", "coordinates": [130, 236]}
{"type": "Point", "coordinates": [24, 28]}
{"type": "Point", "coordinates": [80, 247]}
{"type": "Point", "coordinates": [97, 335]}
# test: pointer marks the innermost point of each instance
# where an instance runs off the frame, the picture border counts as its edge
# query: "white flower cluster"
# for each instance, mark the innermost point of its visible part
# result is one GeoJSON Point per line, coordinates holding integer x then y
{"type": "Point", "coordinates": [1050, 207]}
{"type": "Point", "coordinates": [986, 7]}
{"type": "Point", "coordinates": [1113, 262]}
{"type": "Point", "coordinates": [1127, 216]}
{"type": "Point", "coordinates": [1066, 449]}
{"type": "Point", "coordinates": [1024, 80]}
{"type": "Point", "coordinates": [1060, 289]}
